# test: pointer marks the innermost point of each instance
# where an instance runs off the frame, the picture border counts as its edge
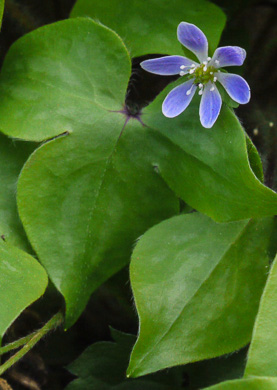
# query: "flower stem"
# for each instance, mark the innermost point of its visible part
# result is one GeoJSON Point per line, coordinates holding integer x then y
{"type": "Point", "coordinates": [16, 344]}
{"type": "Point", "coordinates": [29, 341]}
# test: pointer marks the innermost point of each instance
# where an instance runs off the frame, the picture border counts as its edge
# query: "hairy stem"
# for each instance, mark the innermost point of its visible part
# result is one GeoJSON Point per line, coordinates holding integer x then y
{"type": "Point", "coordinates": [16, 344]}
{"type": "Point", "coordinates": [29, 341]}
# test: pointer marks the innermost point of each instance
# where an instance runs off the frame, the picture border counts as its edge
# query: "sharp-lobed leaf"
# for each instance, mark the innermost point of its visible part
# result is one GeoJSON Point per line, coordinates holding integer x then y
{"type": "Point", "coordinates": [22, 279]}
{"type": "Point", "coordinates": [13, 155]}
{"type": "Point", "coordinates": [91, 197]}
{"type": "Point", "coordinates": [86, 197]}
{"type": "Point", "coordinates": [197, 286]}
{"type": "Point", "coordinates": [263, 383]}
{"type": "Point", "coordinates": [150, 26]}
{"type": "Point", "coordinates": [262, 356]}
{"type": "Point", "coordinates": [102, 366]}
{"type": "Point", "coordinates": [209, 168]}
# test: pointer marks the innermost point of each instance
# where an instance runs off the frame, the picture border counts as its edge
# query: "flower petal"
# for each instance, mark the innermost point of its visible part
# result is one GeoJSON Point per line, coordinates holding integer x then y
{"type": "Point", "coordinates": [210, 105]}
{"type": "Point", "coordinates": [228, 56]}
{"type": "Point", "coordinates": [236, 87]}
{"type": "Point", "coordinates": [177, 100]}
{"type": "Point", "coordinates": [166, 66]}
{"type": "Point", "coordinates": [193, 39]}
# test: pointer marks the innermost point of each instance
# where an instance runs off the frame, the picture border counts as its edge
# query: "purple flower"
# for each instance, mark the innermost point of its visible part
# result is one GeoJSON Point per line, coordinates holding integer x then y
{"type": "Point", "coordinates": [203, 75]}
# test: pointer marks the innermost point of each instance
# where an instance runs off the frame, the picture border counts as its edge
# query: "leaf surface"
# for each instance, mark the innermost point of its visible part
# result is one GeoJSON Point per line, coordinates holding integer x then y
{"type": "Point", "coordinates": [48, 86]}
{"type": "Point", "coordinates": [197, 286]}
{"type": "Point", "coordinates": [263, 383]}
{"type": "Point", "coordinates": [112, 358]}
{"type": "Point", "coordinates": [92, 196]}
{"type": "Point", "coordinates": [262, 356]}
{"type": "Point", "coordinates": [84, 198]}
{"type": "Point", "coordinates": [2, 4]}
{"type": "Point", "coordinates": [150, 26]}
{"type": "Point", "coordinates": [22, 279]}
{"type": "Point", "coordinates": [12, 157]}
{"type": "Point", "coordinates": [209, 168]}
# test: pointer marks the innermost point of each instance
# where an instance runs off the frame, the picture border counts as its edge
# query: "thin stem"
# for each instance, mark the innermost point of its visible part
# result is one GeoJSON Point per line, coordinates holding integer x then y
{"type": "Point", "coordinates": [32, 339]}
{"type": "Point", "coordinates": [16, 344]}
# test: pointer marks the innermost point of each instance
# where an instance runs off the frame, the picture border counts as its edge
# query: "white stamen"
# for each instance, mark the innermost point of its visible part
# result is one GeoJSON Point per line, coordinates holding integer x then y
{"type": "Point", "coordinates": [200, 92]}
{"type": "Point", "coordinates": [193, 66]}
{"type": "Point", "coordinates": [205, 68]}
{"type": "Point", "coordinates": [216, 62]}
{"type": "Point", "coordinates": [200, 85]}
{"type": "Point", "coordinates": [182, 67]}
{"type": "Point", "coordinates": [205, 62]}
{"type": "Point", "coordinates": [211, 72]}
{"type": "Point", "coordinates": [189, 91]}
{"type": "Point", "coordinates": [212, 89]}
{"type": "Point", "coordinates": [215, 78]}
{"type": "Point", "coordinates": [209, 59]}
{"type": "Point", "coordinates": [182, 73]}
{"type": "Point", "coordinates": [192, 71]}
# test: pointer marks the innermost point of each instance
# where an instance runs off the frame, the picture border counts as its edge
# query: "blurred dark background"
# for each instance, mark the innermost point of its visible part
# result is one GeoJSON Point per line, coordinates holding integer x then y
{"type": "Point", "coordinates": [250, 24]}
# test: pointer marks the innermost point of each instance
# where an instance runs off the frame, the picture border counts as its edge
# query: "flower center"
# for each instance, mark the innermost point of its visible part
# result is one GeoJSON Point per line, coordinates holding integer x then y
{"type": "Point", "coordinates": [201, 74]}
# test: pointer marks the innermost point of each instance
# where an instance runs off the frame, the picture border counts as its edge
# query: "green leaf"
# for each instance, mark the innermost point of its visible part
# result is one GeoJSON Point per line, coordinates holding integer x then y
{"type": "Point", "coordinates": [265, 383]}
{"type": "Point", "coordinates": [254, 159]}
{"type": "Point", "coordinates": [103, 367]}
{"type": "Point", "coordinates": [2, 3]}
{"type": "Point", "coordinates": [197, 286]}
{"type": "Point", "coordinates": [150, 26]}
{"type": "Point", "coordinates": [262, 356]}
{"type": "Point", "coordinates": [22, 281]}
{"type": "Point", "coordinates": [209, 168]}
{"type": "Point", "coordinates": [48, 85]}
{"type": "Point", "coordinates": [12, 157]}
{"type": "Point", "coordinates": [86, 197]}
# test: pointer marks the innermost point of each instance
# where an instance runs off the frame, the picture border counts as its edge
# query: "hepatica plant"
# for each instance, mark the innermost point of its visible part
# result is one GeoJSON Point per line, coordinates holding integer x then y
{"type": "Point", "coordinates": [203, 75]}
{"type": "Point", "coordinates": [101, 195]}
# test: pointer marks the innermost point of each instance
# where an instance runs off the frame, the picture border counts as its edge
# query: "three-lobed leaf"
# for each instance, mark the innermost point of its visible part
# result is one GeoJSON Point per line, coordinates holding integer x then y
{"type": "Point", "coordinates": [150, 26]}
{"type": "Point", "coordinates": [91, 197]}
{"type": "Point", "coordinates": [83, 198]}
{"type": "Point", "coordinates": [22, 279]}
{"type": "Point", "coordinates": [197, 286]}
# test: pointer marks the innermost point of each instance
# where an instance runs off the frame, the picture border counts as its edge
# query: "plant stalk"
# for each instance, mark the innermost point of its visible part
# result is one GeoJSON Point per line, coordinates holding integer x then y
{"type": "Point", "coordinates": [29, 341]}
